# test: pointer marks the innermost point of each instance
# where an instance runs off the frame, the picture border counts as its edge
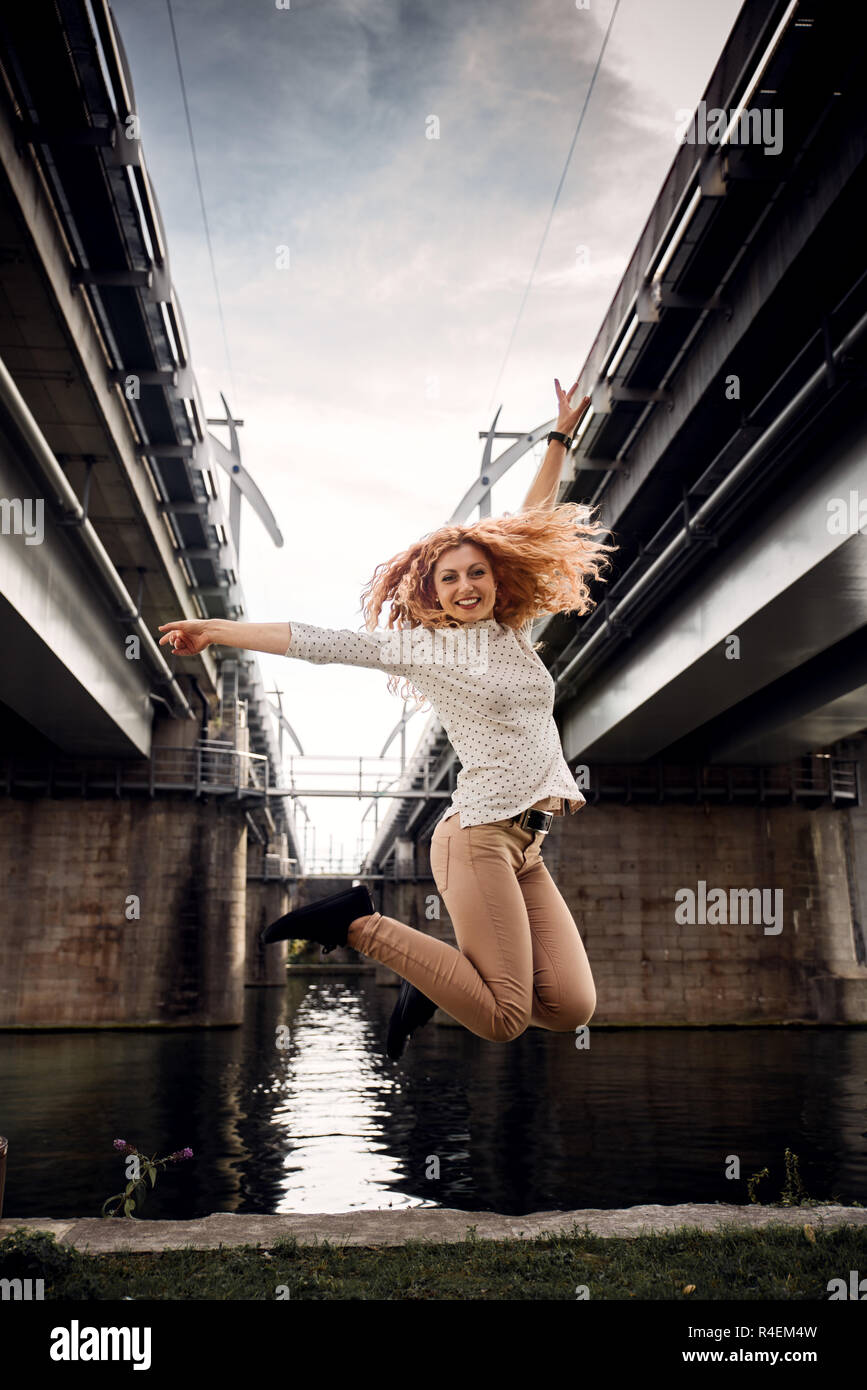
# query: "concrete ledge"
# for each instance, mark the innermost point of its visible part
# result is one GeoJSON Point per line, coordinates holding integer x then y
{"type": "Point", "coordinates": [337, 968]}
{"type": "Point", "coordinates": [99, 1235]}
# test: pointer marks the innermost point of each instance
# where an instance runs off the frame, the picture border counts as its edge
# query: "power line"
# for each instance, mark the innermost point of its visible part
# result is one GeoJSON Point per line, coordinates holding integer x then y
{"type": "Point", "coordinates": [556, 199]}
{"type": "Point", "coordinates": [236, 405]}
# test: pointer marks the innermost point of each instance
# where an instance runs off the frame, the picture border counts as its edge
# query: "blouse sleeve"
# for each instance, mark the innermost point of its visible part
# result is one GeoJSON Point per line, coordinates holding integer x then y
{"type": "Point", "coordinates": [383, 649]}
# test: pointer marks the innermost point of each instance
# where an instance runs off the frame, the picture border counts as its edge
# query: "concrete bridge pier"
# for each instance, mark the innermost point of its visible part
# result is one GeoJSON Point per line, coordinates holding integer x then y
{"type": "Point", "coordinates": [624, 870]}
{"type": "Point", "coordinates": [267, 899]}
{"type": "Point", "coordinates": [122, 912]}
{"type": "Point", "coordinates": [398, 898]}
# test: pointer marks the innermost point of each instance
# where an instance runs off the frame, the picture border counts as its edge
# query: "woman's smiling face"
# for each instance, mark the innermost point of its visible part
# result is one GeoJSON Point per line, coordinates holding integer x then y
{"type": "Point", "coordinates": [464, 573]}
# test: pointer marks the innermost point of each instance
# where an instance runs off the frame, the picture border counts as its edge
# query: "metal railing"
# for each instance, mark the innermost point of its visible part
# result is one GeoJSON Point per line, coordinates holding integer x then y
{"type": "Point", "coordinates": [276, 868]}
{"type": "Point", "coordinates": [354, 767]}
{"type": "Point", "coordinates": [207, 769]}
{"type": "Point", "coordinates": [211, 768]}
{"type": "Point", "coordinates": [825, 779]}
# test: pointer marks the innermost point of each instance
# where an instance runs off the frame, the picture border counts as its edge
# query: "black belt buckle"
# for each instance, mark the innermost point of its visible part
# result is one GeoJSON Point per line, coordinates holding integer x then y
{"type": "Point", "coordinates": [534, 819]}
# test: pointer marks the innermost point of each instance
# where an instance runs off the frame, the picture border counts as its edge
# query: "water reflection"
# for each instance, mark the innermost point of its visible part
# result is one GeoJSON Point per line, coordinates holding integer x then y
{"type": "Point", "coordinates": [333, 1109]}
{"type": "Point", "coordinates": [328, 1123]}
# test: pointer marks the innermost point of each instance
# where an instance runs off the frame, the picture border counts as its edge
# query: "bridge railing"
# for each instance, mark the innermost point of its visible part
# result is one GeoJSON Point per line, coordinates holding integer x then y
{"type": "Point", "coordinates": [209, 768]}
{"type": "Point", "coordinates": [824, 779]}
{"type": "Point", "coordinates": [212, 768]}
{"type": "Point", "coordinates": [274, 868]}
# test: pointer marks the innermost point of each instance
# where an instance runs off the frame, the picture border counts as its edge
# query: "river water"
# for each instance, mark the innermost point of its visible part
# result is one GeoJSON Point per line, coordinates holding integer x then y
{"type": "Point", "coordinates": [300, 1110]}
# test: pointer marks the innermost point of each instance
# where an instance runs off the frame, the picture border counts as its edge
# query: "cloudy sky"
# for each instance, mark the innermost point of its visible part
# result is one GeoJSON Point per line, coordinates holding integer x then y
{"type": "Point", "coordinates": [371, 276]}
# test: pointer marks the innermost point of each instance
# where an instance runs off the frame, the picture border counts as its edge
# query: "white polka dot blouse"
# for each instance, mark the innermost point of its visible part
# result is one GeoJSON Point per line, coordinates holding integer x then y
{"type": "Point", "coordinates": [493, 695]}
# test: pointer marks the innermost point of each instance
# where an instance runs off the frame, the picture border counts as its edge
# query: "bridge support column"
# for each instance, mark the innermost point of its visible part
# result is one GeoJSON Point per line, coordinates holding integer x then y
{"type": "Point", "coordinates": [267, 899]}
{"type": "Point", "coordinates": [847, 990]}
{"type": "Point", "coordinates": [121, 913]}
{"type": "Point", "coordinates": [397, 899]}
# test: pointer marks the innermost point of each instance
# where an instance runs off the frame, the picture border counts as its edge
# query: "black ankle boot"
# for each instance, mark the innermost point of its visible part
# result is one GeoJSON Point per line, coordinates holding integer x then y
{"type": "Point", "coordinates": [325, 922]}
{"type": "Point", "coordinates": [412, 1010]}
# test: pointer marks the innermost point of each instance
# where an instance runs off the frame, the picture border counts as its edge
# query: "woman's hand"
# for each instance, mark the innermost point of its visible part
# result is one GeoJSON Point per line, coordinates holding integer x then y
{"type": "Point", "coordinates": [187, 636]}
{"type": "Point", "coordinates": [569, 418]}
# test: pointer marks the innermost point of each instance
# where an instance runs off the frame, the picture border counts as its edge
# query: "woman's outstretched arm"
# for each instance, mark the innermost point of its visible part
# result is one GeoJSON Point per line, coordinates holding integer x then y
{"type": "Point", "coordinates": [188, 636]}
{"type": "Point", "coordinates": [386, 649]}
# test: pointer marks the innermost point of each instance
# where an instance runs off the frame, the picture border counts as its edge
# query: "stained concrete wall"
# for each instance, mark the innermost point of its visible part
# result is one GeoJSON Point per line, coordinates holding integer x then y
{"type": "Point", "coordinates": [619, 867]}
{"type": "Point", "coordinates": [71, 956]}
{"type": "Point", "coordinates": [71, 953]}
{"type": "Point", "coordinates": [266, 901]}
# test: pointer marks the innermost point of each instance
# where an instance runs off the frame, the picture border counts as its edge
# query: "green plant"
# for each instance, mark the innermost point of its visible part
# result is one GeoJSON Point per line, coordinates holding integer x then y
{"type": "Point", "coordinates": [139, 1170]}
{"type": "Point", "coordinates": [27, 1254]}
{"type": "Point", "coordinates": [794, 1192]}
{"type": "Point", "coordinates": [753, 1183]}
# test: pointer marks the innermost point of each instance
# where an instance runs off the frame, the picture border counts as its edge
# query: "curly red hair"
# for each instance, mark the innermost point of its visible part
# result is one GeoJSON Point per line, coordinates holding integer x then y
{"type": "Point", "coordinates": [541, 559]}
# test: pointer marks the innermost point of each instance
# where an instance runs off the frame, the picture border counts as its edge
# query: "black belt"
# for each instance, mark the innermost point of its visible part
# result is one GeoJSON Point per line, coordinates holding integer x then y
{"type": "Point", "coordinates": [534, 819]}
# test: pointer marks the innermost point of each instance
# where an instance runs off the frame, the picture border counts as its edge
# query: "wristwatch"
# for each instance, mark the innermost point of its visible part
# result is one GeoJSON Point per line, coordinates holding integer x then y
{"type": "Point", "coordinates": [561, 438]}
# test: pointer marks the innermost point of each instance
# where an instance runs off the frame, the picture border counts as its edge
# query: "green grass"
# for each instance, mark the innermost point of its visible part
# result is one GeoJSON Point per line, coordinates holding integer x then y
{"type": "Point", "coordinates": [776, 1263]}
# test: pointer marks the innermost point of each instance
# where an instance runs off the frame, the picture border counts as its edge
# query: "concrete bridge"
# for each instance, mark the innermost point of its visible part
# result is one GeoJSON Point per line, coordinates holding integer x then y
{"type": "Point", "coordinates": [138, 786]}
{"type": "Point", "coordinates": [713, 704]}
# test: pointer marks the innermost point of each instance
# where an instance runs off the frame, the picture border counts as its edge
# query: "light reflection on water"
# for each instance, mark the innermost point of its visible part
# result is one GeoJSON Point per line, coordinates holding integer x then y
{"type": "Point", "coordinates": [329, 1123]}
{"type": "Point", "coordinates": [332, 1110]}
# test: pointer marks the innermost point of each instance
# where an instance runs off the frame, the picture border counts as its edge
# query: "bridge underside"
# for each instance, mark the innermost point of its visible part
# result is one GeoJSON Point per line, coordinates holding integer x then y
{"type": "Point", "coordinates": [65, 670]}
{"type": "Point", "coordinates": [793, 593]}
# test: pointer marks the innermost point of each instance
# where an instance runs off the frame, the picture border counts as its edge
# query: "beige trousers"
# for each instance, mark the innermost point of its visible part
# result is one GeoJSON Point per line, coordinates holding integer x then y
{"type": "Point", "coordinates": [519, 960]}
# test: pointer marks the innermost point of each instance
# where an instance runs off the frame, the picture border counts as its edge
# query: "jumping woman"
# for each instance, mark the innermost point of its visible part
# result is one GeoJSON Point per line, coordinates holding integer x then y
{"type": "Point", "coordinates": [519, 960]}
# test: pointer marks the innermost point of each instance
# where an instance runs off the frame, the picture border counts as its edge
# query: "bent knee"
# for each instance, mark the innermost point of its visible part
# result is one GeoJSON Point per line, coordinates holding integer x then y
{"type": "Point", "coordinates": [507, 1027]}
{"type": "Point", "coordinates": [579, 1015]}
{"type": "Point", "coordinates": [587, 1011]}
